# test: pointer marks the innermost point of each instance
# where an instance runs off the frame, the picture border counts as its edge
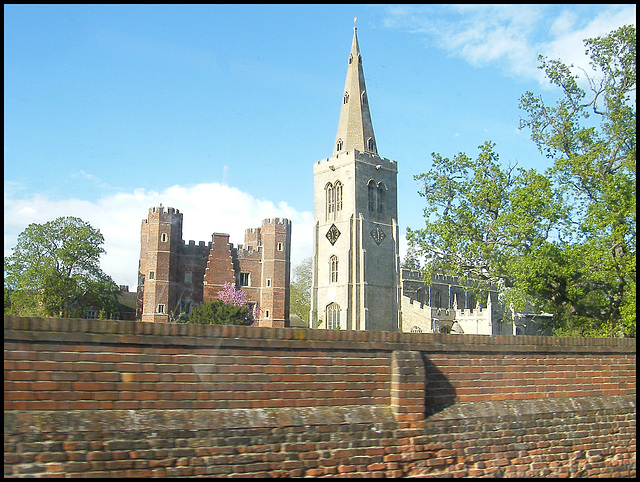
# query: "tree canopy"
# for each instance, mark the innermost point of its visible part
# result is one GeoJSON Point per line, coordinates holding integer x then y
{"type": "Point", "coordinates": [562, 241]}
{"type": "Point", "coordinates": [54, 270]}
{"type": "Point", "coordinates": [300, 290]}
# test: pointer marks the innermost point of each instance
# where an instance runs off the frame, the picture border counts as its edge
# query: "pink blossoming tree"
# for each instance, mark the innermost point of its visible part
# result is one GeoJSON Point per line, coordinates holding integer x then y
{"type": "Point", "coordinates": [233, 296]}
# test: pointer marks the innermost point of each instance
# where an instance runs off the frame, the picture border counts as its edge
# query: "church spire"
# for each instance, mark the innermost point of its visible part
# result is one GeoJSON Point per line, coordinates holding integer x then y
{"type": "Point", "coordinates": [355, 130]}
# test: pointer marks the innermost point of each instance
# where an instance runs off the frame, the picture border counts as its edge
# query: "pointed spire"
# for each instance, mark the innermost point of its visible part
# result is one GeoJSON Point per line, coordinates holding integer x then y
{"type": "Point", "coordinates": [355, 130]}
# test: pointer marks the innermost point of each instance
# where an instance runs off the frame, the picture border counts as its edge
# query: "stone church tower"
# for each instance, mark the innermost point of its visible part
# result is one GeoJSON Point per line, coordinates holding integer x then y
{"type": "Point", "coordinates": [356, 283]}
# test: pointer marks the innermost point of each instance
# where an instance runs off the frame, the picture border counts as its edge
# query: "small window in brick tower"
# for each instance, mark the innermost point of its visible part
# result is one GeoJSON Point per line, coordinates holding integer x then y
{"type": "Point", "coordinates": [152, 275]}
{"type": "Point", "coordinates": [268, 282]}
{"type": "Point", "coordinates": [280, 247]}
{"type": "Point", "coordinates": [188, 275]}
{"type": "Point", "coordinates": [244, 279]}
{"type": "Point", "coordinates": [164, 237]}
{"type": "Point", "coordinates": [160, 308]}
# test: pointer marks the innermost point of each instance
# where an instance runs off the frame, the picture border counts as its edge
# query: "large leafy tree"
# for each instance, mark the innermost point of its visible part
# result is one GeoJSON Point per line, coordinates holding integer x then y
{"type": "Point", "coordinates": [563, 241]}
{"type": "Point", "coordinates": [54, 270]}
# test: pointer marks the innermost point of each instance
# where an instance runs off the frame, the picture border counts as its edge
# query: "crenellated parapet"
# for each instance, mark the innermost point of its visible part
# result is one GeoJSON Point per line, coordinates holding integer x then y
{"type": "Point", "coordinates": [190, 248]}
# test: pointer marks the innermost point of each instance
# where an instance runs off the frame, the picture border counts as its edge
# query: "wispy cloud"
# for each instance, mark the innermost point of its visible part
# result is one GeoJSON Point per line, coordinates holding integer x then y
{"type": "Point", "coordinates": [95, 181]}
{"type": "Point", "coordinates": [206, 208]}
{"type": "Point", "coordinates": [511, 37]}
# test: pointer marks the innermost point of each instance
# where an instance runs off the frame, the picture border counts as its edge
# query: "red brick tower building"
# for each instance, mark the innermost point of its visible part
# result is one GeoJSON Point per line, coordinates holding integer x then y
{"type": "Point", "coordinates": [174, 277]}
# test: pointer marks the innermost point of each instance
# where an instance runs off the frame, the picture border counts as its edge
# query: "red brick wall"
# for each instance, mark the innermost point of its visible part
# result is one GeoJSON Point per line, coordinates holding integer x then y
{"type": "Point", "coordinates": [96, 398]}
{"type": "Point", "coordinates": [219, 270]}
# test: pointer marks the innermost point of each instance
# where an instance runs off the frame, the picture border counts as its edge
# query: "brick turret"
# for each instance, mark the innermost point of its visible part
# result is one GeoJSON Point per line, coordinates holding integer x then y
{"type": "Point", "coordinates": [160, 240]}
{"type": "Point", "coordinates": [276, 268]}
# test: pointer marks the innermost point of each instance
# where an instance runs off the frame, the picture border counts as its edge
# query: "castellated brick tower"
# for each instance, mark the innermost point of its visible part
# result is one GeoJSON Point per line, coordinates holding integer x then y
{"type": "Point", "coordinates": [275, 276]}
{"type": "Point", "coordinates": [174, 276]}
{"type": "Point", "coordinates": [160, 237]}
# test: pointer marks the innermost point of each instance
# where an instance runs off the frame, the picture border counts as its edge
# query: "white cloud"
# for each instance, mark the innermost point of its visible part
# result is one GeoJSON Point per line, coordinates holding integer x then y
{"type": "Point", "coordinates": [206, 208]}
{"type": "Point", "coordinates": [512, 36]}
{"type": "Point", "coordinates": [569, 32]}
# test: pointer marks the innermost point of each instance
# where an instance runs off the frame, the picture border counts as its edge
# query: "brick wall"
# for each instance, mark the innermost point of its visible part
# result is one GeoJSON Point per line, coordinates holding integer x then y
{"type": "Point", "coordinates": [103, 398]}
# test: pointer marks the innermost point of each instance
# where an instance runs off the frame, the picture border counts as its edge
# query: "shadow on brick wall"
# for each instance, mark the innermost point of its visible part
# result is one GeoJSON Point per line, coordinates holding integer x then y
{"type": "Point", "coordinates": [439, 393]}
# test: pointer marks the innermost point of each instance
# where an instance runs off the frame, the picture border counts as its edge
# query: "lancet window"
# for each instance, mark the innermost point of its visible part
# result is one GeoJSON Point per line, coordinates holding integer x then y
{"type": "Point", "coordinates": [376, 195]}
{"type": "Point", "coordinates": [333, 194]}
{"type": "Point", "coordinates": [333, 269]}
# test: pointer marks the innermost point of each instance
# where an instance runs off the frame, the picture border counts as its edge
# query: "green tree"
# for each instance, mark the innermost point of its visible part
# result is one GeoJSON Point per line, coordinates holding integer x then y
{"type": "Point", "coordinates": [591, 135]}
{"type": "Point", "coordinates": [562, 241]}
{"type": "Point", "coordinates": [218, 312]}
{"type": "Point", "coordinates": [54, 270]}
{"type": "Point", "coordinates": [300, 290]}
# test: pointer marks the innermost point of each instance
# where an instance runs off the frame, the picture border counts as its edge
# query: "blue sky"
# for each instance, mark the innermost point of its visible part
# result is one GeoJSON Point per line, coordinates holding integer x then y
{"type": "Point", "coordinates": [221, 110]}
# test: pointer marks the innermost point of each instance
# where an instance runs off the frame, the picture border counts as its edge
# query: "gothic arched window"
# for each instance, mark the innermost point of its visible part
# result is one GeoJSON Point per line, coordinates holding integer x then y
{"type": "Point", "coordinates": [371, 146]}
{"type": "Point", "coordinates": [333, 269]}
{"type": "Point", "coordinates": [421, 296]}
{"type": "Point", "coordinates": [380, 198]}
{"type": "Point", "coordinates": [333, 316]}
{"type": "Point", "coordinates": [438, 300]}
{"type": "Point", "coordinates": [330, 199]}
{"type": "Point", "coordinates": [338, 194]}
{"type": "Point", "coordinates": [372, 195]}
{"type": "Point", "coordinates": [376, 195]}
{"type": "Point", "coordinates": [339, 145]}
{"type": "Point", "coordinates": [345, 98]}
